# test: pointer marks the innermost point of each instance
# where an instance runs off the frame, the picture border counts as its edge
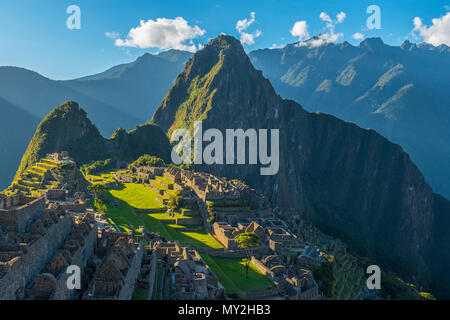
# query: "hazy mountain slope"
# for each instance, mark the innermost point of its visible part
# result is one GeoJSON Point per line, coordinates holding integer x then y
{"type": "Point", "coordinates": [348, 181]}
{"type": "Point", "coordinates": [14, 137]}
{"type": "Point", "coordinates": [38, 95]}
{"type": "Point", "coordinates": [402, 92]}
{"type": "Point", "coordinates": [67, 128]}
{"type": "Point", "coordinates": [137, 87]}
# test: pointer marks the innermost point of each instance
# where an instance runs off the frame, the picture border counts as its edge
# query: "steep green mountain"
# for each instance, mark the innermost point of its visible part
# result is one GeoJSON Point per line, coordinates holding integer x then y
{"type": "Point", "coordinates": [67, 128]}
{"type": "Point", "coordinates": [138, 87]}
{"type": "Point", "coordinates": [14, 137]}
{"type": "Point", "coordinates": [350, 182]}
{"type": "Point", "coordinates": [402, 92]}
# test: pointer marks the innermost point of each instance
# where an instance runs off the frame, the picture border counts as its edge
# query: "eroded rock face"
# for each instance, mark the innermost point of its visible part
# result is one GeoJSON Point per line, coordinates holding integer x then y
{"type": "Point", "coordinates": [350, 182]}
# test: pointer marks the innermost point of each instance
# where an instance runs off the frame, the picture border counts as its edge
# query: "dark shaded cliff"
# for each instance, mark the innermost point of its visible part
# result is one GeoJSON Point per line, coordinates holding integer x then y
{"type": "Point", "coordinates": [350, 182]}
{"type": "Point", "coordinates": [400, 91]}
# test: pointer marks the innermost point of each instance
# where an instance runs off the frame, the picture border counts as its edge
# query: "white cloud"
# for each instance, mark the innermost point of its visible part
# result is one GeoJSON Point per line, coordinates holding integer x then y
{"type": "Point", "coordinates": [112, 34]}
{"type": "Point", "coordinates": [325, 17]}
{"type": "Point", "coordinates": [300, 30]}
{"type": "Point", "coordinates": [242, 25]}
{"type": "Point", "coordinates": [436, 34]}
{"type": "Point", "coordinates": [330, 36]}
{"type": "Point", "coordinates": [246, 37]}
{"type": "Point", "coordinates": [164, 34]}
{"type": "Point", "coordinates": [358, 36]}
{"type": "Point", "coordinates": [341, 17]}
{"type": "Point", "coordinates": [276, 46]}
{"type": "Point", "coordinates": [249, 38]}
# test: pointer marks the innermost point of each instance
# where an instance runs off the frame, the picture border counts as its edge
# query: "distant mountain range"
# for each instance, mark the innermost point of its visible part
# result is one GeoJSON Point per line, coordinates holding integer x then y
{"type": "Point", "coordinates": [16, 129]}
{"type": "Point", "coordinates": [401, 92]}
{"type": "Point", "coordinates": [136, 88]}
{"type": "Point", "coordinates": [350, 182]}
{"type": "Point", "coordinates": [398, 91]}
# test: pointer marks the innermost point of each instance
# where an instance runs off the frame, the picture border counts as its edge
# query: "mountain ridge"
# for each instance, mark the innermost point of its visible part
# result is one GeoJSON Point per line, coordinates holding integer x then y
{"type": "Point", "coordinates": [398, 91]}
{"type": "Point", "coordinates": [349, 181]}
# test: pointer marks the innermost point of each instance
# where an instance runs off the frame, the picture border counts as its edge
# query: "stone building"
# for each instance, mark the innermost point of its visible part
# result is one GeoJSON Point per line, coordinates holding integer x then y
{"type": "Point", "coordinates": [116, 276]}
{"type": "Point", "coordinates": [187, 276]}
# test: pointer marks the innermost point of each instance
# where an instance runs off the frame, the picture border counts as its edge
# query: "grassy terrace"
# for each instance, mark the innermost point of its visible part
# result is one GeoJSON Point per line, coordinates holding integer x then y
{"type": "Point", "coordinates": [101, 179]}
{"type": "Point", "coordinates": [142, 197]}
{"type": "Point", "coordinates": [231, 274]}
{"type": "Point", "coordinates": [157, 183]}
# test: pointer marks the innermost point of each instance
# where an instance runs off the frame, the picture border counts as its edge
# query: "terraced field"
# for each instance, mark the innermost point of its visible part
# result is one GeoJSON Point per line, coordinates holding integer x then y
{"type": "Point", "coordinates": [32, 181]}
{"type": "Point", "coordinates": [349, 276]}
{"type": "Point", "coordinates": [231, 274]}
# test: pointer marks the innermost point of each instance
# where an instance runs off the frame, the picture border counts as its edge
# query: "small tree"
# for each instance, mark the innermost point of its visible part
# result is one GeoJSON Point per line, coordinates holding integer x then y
{"type": "Point", "coordinates": [96, 189]}
{"type": "Point", "coordinates": [247, 241]}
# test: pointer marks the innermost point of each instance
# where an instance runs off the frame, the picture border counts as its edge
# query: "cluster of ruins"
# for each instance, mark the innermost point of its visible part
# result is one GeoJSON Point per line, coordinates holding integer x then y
{"type": "Point", "coordinates": [181, 272]}
{"type": "Point", "coordinates": [41, 236]}
{"type": "Point", "coordinates": [282, 256]}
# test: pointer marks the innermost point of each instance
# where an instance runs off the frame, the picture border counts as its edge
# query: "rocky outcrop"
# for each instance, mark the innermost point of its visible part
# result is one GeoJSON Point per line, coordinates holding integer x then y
{"type": "Point", "coordinates": [350, 182]}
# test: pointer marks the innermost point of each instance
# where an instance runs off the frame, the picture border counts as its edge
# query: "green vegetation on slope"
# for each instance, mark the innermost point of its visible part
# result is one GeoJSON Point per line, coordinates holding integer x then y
{"type": "Point", "coordinates": [67, 128]}
{"type": "Point", "coordinates": [147, 160]}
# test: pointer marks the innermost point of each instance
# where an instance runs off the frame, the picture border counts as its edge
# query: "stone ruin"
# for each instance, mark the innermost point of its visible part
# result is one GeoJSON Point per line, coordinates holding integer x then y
{"type": "Point", "coordinates": [293, 282]}
{"type": "Point", "coordinates": [116, 275]}
{"type": "Point", "coordinates": [186, 275]}
{"type": "Point", "coordinates": [41, 238]}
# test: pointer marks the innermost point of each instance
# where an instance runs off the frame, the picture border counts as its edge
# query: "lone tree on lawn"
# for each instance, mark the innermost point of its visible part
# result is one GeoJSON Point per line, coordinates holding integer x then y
{"type": "Point", "coordinates": [247, 241]}
{"type": "Point", "coordinates": [96, 189]}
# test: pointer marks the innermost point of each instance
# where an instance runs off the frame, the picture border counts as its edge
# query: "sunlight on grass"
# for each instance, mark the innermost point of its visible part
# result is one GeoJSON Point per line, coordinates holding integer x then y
{"type": "Point", "coordinates": [138, 196]}
{"type": "Point", "coordinates": [231, 274]}
{"type": "Point", "coordinates": [142, 197]}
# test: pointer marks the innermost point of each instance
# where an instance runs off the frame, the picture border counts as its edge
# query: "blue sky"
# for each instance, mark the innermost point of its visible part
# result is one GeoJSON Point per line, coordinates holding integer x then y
{"type": "Point", "coordinates": [34, 35]}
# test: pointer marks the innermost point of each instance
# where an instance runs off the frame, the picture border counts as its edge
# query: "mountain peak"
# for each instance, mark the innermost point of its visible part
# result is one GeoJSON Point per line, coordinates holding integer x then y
{"type": "Point", "coordinates": [372, 43]}
{"type": "Point", "coordinates": [217, 76]}
{"type": "Point", "coordinates": [407, 45]}
{"type": "Point", "coordinates": [223, 45]}
{"type": "Point", "coordinates": [224, 41]}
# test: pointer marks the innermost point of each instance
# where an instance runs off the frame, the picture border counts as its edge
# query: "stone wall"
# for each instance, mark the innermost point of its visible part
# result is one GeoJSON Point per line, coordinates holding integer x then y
{"type": "Point", "coordinates": [18, 219]}
{"type": "Point", "coordinates": [261, 267]}
{"type": "Point", "coordinates": [27, 266]}
{"type": "Point", "coordinates": [127, 290]}
{"type": "Point", "coordinates": [79, 258]}
{"type": "Point", "coordinates": [268, 292]}
{"type": "Point", "coordinates": [56, 194]}
{"type": "Point", "coordinates": [189, 222]}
